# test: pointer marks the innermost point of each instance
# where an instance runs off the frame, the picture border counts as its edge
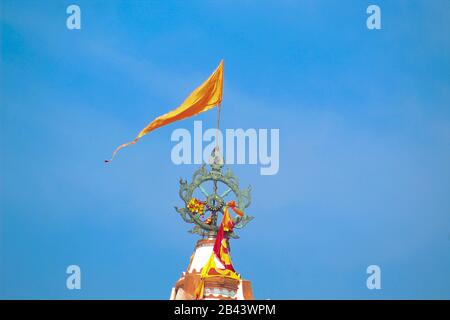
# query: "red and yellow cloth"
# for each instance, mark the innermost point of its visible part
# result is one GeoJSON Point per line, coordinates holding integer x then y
{"type": "Point", "coordinates": [220, 251]}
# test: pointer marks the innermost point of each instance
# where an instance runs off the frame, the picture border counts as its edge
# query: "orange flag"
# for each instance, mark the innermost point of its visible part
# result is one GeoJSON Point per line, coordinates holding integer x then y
{"type": "Point", "coordinates": [206, 96]}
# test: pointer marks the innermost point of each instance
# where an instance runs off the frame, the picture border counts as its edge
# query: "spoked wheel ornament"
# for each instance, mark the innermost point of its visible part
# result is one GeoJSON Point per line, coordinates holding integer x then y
{"type": "Point", "coordinates": [208, 196]}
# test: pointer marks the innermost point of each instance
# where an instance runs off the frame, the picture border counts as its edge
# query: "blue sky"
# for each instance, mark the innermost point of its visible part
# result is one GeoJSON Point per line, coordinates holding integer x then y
{"type": "Point", "coordinates": [364, 119]}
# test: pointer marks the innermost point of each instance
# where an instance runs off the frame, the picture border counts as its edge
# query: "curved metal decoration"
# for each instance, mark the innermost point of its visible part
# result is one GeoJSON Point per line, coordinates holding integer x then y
{"type": "Point", "coordinates": [214, 202]}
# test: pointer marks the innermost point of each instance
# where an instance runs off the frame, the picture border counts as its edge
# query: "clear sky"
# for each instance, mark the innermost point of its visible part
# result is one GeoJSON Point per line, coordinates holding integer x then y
{"type": "Point", "coordinates": [364, 119]}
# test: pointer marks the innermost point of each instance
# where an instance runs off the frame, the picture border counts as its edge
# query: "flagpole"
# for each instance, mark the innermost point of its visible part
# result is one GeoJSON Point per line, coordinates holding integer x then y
{"type": "Point", "coordinates": [216, 153]}
{"type": "Point", "coordinates": [218, 125]}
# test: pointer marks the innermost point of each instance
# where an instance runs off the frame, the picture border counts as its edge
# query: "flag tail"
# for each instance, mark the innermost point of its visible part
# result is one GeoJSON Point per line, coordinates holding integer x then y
{"type": "Point", "coordinates": [120, 147]}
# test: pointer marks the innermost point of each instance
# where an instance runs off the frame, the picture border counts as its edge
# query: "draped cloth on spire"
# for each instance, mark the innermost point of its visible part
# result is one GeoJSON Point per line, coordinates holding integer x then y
{"type": "Point", "coordinates": [221, 252]}
{"type": "Point", "coordinates": [206, 96]}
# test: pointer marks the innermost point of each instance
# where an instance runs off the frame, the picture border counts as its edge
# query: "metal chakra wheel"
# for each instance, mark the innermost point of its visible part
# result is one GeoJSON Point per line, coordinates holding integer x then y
{"type": "Point", "coordinates": [215, 189]}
